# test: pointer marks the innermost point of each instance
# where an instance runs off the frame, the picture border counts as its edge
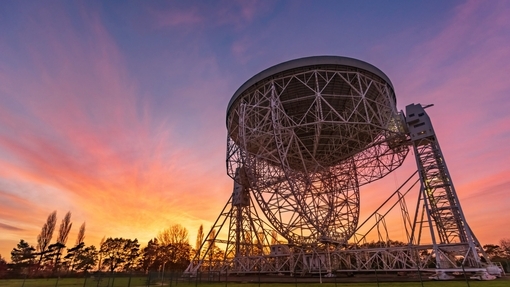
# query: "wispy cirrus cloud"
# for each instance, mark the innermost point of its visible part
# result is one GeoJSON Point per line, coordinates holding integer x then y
{"type": "Point", "coordinates": [462, 71]}
{"type": "Point", "coordinates": [241, 13]}
{"type": "Point", "coordinates": [9, 227]}
{"type": "Point", "coordinates": [18, 209]}
{"type": "Point", "coordinates": [237, 14]}
{"type": "Point", "coordinates": [483, 200]}
{"type": "Point", "coordinates": [78, 136]}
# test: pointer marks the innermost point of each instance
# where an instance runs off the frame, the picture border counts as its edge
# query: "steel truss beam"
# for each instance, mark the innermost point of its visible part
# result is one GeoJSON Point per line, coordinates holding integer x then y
{"type": "Point", "coordinates": [306, 156]}
{"type": "Point", "coordinates": [453, 242]}
{"type": "Point", "coordinates": [299, 147]}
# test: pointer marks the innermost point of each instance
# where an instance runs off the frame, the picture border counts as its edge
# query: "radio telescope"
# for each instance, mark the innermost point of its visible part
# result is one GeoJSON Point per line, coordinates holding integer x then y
{"type": "Point", "coordinates": [305, 135]}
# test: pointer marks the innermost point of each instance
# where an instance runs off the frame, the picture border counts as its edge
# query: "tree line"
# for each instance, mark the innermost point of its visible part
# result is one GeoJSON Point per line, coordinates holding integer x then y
{"type": "Point", "coordinates": [170, 250]}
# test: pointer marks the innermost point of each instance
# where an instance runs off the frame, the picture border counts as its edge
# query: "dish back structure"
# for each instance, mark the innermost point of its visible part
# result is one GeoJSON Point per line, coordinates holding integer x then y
{"type": "Point", "coordinates": [303, 136]}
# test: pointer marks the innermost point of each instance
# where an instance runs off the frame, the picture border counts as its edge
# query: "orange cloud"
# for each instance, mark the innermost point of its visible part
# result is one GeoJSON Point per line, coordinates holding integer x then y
{"type": "Point", "coordinates": [78, 138]}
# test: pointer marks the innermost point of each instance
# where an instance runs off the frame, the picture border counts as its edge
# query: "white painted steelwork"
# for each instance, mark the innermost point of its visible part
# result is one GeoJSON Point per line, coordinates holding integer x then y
{"type": "Point", "coordinates": [307, 133]}
{"type": "Point", "coordinates": [303, 136]}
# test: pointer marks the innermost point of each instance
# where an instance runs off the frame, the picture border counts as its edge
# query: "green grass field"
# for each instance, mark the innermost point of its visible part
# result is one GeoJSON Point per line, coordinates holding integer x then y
{"type": "Point", "coordinates": [75, 282]}
{"type": "Point", "coordinates": [142, 281]}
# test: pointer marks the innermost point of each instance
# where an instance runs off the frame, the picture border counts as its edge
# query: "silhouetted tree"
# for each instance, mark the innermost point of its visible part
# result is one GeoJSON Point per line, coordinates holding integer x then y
{"type": "Point", "coordinates": [76, 249]}
{"type": "Point", "coordinates": [3, 267]}
{"type": "Point", "coordinates": [23, 253]}
{"type": "Point", "coordinates": [214, 253]}
{"type": "Point", "coordinates": [505, 247]}
{"type": "Point", "coordinates": [493, 251]}
{"type": "Point", "coordinates": [177, 255]}
{"type": "Point", "coordinates": [50, 260]}
{"type": "Point", "coordinates": [100, 255]}
{"type": "Point", "coordinates": [174, 234]}
{"type": "Point", "coordinates": [151, 257]}
{"type": "Point", "coordinates": [86, 259]}
{"type": "Point", "coordinates": [22, 257]}
{"type": "Point", "coordinates": [71, 255]}
{"type": "Point", "coordinates": [44, 238]}
{"type": "Point", "coordinates": [200, 240]}
{"type": "Point", "coordinates": [212, 245]}
{"type": "Point", "coordinates": [119, 253]}
{"type": "Point", "coordinates": [174, 247]}
{"type": "Point", "coordinates": [63, 234]}
{"type": "Point", "coordinates": [81, 235]}
{"type": "Point", "coordinates": [174, 256]}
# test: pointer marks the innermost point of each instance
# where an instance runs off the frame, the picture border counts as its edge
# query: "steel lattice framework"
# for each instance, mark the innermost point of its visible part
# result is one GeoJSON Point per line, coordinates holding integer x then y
{"type": "Point", "coordinates": [448, 226]}
{"type": "Point", "coordinates": [303, 136]}
{"type": "Point", "coordinates": [306, 137]}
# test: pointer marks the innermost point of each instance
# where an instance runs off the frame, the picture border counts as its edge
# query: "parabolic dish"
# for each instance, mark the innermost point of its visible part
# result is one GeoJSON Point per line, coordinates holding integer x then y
{"type": "Point", "coordinates": [307, 133]}
{"type": "Point", "coordinates": [328, 108]}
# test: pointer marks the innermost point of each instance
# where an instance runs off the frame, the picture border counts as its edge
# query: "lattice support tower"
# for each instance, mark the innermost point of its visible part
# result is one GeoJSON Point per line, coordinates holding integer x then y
{"type": "Point", "coordinates": [450, 234]}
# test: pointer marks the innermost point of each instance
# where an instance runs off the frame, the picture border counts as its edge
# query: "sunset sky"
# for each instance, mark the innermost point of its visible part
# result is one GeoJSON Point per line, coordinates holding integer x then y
{"type": "Point", "coordinates": [115, 110]}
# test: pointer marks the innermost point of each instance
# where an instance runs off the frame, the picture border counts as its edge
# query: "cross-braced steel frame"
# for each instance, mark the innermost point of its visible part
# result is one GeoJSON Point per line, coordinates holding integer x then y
{"type": "Point", "coordinates": [301, 141]}
{"type": "Point", "coordinates": [454, 246]}
{"type": "Point", "coordinates": [305, 157]}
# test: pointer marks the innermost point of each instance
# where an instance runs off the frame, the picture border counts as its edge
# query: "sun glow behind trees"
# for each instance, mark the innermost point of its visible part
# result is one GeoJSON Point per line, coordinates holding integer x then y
{"type": "Point", "coordinates": [169, 249]}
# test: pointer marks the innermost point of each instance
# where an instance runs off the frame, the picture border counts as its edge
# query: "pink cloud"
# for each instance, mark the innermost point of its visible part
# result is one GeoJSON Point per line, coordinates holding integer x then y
{"type": "Point", "coordinates": [17, 210]}
{"type": "Point", "coordinates": [470, 50]}
{"type": "Point", "coordinates": [79, 138]}
{"type": "Point", "coordinates": [248, 10]}
{"type": "Point", "coordinates": [462, 70]}
{"type": "Point", "coordinates": [483, 201]}
{"type": "Point", "coordinates": [237, 13]}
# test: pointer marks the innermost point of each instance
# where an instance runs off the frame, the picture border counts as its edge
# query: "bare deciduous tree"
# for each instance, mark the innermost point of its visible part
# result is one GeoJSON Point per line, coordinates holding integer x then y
{"type": "Point", "coordinates": [211, 247]}
{"type": "Point", "coordinates": [175, 234]}
{"type": "Point", "coordinates": [81, 235]}
{"type": "Point", "coordinates": [63, 234]}
{"type": "Point", "coordinates": [65, 228]}
{"type": "Point", "coordinates": [505, 247]}
{"type": "Point", "coordinates": [44, 238]}
{"type": "Point", "coordinates": [200, 239]}
{"type": "Point", "coordinates": [100, 256]}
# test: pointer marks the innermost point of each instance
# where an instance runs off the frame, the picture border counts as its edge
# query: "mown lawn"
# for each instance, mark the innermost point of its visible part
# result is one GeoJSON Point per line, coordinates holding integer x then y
{"type": "Point", "coordinates": [75, 282]}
